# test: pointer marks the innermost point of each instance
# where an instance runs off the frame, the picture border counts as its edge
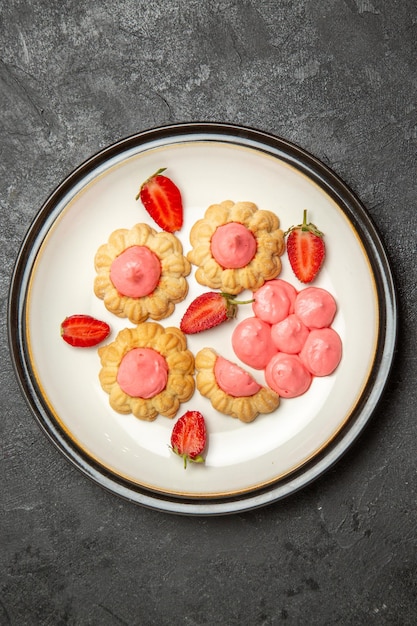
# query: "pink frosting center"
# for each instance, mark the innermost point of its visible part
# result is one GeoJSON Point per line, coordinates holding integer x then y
{"type": "Point", "coordinates": [143, 373]}
{"type": "Point", "coordinates": [135, 272]}
{"type": "Point", "coordinates": [233, 380]}
{"type": "Point", "coordinates": [233, 245]}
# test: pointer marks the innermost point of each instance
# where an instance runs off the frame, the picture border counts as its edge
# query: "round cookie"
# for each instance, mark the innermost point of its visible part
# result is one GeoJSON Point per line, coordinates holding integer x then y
{"type": "Point", "coordinates": [141, 273]}
{"type": "Point", "coordinates": [236, 246]}
{"type": "Point", "coordinates": [152, 363]}
{"type": "Point", "coordinates": [217, 387]}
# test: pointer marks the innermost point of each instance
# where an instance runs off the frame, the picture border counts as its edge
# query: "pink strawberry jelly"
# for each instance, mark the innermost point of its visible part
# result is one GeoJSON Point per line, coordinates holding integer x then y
{"type": "Point", "coordinates": [251, 341]}
{"type": "Point", "coordinates": [233, 380]}
{"type": "Point", "coordinates": [322, 351]}
{"type": "Point", "coordinates": [143, 373]}
{"type": "Point", "coordinates": [233, 245]}
{"type": "Point", "coordinates": [135, 272]}
{"type": "Point", "coordinates": [289, 335]}
{"type": "Point", "coordinates": [274, 301]}
{"type": "Point", "coordinates": [315, 307]}
{"type": "Point", "coordinates": [287, 376]}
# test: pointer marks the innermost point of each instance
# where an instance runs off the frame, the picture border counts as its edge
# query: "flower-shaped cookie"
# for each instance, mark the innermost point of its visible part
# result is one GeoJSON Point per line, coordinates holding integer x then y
{"type": "Point", "coordinates": [147, 370]}
{"type": "Point", "coordinates": [220, 381]}
{"type": "Point", "coordinates": [141, 273]}
{"type": "Point", "coordinates": [236, 246]}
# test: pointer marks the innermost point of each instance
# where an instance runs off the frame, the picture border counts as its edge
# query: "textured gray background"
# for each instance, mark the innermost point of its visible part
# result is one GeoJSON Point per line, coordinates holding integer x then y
{"type": "Point", "coordinates": [336, 77]}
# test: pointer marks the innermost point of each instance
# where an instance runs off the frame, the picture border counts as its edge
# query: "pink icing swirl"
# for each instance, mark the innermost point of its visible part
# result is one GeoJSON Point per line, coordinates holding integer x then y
{"type": "Point", "coordinates": [135, 272]}
{"type": "Point", "coordinates": [251, 341]}
{"type": "Point", "coordinates": [289, 335]}
{"type": "Point", "coordinates": [274, 301]}
{"type": "Point", "coordinates": [143, 373]}
{"type": "Point", "coordinates": [322, 351]}
{"type": "Point", "coordinates": [315, 307]}
{"type": "Point", "coordinates": [287, 376]}
{"type": "Point", "coordinates": [233, 380]}
{"type": "Point", "coordinates": [233, 246]}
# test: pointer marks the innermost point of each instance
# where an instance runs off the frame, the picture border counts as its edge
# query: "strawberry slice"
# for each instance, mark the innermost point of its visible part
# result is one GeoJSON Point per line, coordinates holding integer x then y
{"type": "Point", "coordinates": [84, 331]}
{"type": "Point", "coordinates": [306, 250]}
{"type": "Point", "coordinates": [162, 199]}
{"type": "Point", "coordinates": [209, 310]}
{"type": "Point", "coordinates": [189, 437]}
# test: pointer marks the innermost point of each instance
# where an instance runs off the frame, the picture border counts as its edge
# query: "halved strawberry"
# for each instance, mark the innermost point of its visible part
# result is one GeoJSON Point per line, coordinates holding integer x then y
{"type": "Point", "coordinates": [84, 331]}
{"type": "Point", "coordinates": [189, 437]}
{"type": "Point", "coordinates": [162, 199]}
{"type": "Point", "coordinates": [306, 250]}
{"type": "Point", "coordinates": [209, 310]}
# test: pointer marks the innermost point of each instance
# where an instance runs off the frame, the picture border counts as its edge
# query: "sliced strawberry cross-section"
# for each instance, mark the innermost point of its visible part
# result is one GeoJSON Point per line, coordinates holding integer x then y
{"type": "Point", "coordinates": [306, 250]}
{"type": "Point", "coordinates": [162, 199]}
{"type": "Point", "coordinates": [189, 437]}
{"type": "Point", "coordinates": [84, 331]}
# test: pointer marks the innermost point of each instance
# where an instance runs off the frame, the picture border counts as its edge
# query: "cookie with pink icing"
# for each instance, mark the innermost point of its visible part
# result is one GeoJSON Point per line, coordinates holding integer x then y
{"type": "Point", "coordinates": [236, 246]}
{"type": "Point", "coordinates": [147, 370]}
{"type": "Point", "coordinates": [141, 273]}
{"type": "Point", "coordinates": [231, 389]}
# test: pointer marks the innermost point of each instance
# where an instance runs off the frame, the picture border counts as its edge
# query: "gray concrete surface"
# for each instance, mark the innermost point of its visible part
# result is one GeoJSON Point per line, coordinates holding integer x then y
{"type": "Point", "coordinates": [335, 77]}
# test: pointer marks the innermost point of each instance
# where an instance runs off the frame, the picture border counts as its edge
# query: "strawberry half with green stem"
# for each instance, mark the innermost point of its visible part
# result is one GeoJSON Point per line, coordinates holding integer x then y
{"type": "Point", "coordinates": [209, 310]}
{"type": "Point", "coordinates": [84, 331]}
{"type": "Point", "coordinates": [306, 250]}
{"type": "Point", "coordinates": [189, 437]}
{"type": "Point", "coordinates": [162, 199]}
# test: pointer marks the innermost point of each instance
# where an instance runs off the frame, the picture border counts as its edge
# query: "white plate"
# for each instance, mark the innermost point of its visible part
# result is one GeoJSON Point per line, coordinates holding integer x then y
{"type": "Point", "coordinates": [247, 465]}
